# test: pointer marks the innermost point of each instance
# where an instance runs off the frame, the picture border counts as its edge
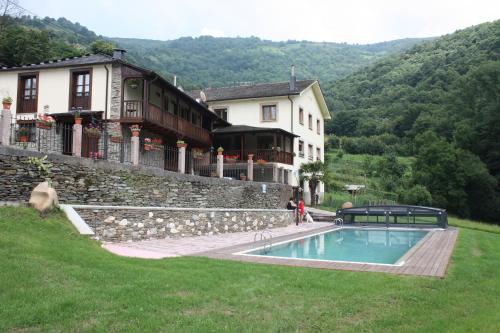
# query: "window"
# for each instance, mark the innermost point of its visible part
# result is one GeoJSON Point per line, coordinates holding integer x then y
{"type": "Point", "coordinates": [301, 116]}
{"type": "Point", "coordinates": [196, 118]}
{"type": "Point", "coordinates": [310, 121]}
{"type": "Point", "coordinates": [81, 89]}
{"type": "Point", "coordinates": [310, 152]}
{"type": "Point", "coordinates": [318, 154]}
{"type": "Point", "coordinates": [28, 93]}
{"type": "Point", "coordinates": [221, 112]}
{"type": "Point", "coordinates": [318, 126]}
{"type": "Point", "coordinates": [269, 112]}
{"type": "Point", "coordinates": [301, 148]}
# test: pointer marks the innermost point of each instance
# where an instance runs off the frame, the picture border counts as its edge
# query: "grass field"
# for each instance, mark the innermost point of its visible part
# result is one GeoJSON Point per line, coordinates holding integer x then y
{"type": "Point", "coordinates": [53, 279]}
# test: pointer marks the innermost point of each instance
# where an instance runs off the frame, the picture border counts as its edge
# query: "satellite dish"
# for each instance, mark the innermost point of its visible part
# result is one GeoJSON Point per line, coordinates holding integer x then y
{"type": "Point", "coordinates": [203, 96]}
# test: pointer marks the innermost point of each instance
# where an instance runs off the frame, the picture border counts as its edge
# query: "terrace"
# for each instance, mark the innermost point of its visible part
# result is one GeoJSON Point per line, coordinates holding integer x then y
{"type": "Point", "coordinates": [158, 106]}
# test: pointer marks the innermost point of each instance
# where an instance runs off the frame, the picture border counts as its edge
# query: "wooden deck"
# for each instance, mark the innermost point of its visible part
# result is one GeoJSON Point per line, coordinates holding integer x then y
{"type": "Point", "coordinates": [430, 257]}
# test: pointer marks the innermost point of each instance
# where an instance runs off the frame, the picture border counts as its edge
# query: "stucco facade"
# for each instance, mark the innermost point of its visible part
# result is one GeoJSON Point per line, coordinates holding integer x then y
{"type": "Point", "coordinates": [54, 88]}
{"type": "Point", "coordinates": [248, 112]}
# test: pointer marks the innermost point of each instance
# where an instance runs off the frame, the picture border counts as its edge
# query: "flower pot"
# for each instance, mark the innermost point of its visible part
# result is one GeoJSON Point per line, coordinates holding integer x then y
{"type": "Point", "coordinates": [116, 139]}
{"type": "Point", "coordinates": [23, 138]}
{"type": "Point", "coordinates": [43, 125]}
{"type": "Point", "coordinates": [181, 145]}
{"type": "Point", "coordinates": [6, 106]}
{"type": "Point", "coordinates": [135, 133]}
{"type": "Point", "coordinates": [78, 121]}
{"type": "Point", "coordinates": [244, 178]}
{"type": "Point", "coordinates": [148, 147]}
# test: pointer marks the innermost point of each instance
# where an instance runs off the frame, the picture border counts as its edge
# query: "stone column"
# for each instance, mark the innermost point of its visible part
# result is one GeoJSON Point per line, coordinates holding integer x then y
{"type": "Point", "coordinates": [250, 167]}
{"type": "Point", "coordinates": [275, 173]}
{"type": "Point", "coordinates": [220, 164]}
{"type": "Point", "coordinates": [77, 140]}
{"type": "Point", "coordinates": [135, 145]}
{"type": "Point", "coordinates": [5, 127]}
{"type": "Point", "coordinates": [181, 161]}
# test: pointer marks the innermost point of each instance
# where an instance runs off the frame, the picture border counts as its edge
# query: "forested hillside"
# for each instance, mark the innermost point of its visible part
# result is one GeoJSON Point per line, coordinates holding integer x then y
{"type": "Point", "coordinates": [208, 61]}
{"type": "Point", "coordinates": [439, 101]}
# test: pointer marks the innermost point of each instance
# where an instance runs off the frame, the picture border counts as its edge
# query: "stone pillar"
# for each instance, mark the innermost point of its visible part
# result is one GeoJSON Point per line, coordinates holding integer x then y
{"type": "Point", "coordinates": [275, 173]}
{"type": "Point", "coordinates": [181, 161]}
{"type": "Point", "coordinates": [281, 175]}
{"type": "Point", "coordinates": [77, 140]}
{"type": "Point", "coordinates": [250, 167]}
{"type": "Point", "coordinates": [220, 165]}
{"type": "Point", "coordinates": [135, 145]}
{"type": "Point", "coordinates": [6, 118]}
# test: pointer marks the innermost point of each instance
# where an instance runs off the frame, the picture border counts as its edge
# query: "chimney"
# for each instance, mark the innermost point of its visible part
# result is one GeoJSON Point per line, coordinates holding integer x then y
{"type": "Point", "coordinates": [293, 79]}
{"type": "Point", "coordinates": [119, 54]}
{"type": "Point", "coordinates": [175, 80]}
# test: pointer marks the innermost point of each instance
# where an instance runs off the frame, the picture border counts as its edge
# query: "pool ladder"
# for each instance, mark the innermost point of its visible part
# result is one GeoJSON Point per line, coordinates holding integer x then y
{"type": "Point", "coordinates": [267, 237]}
{"type": "Point", "coordinates": [339, 221]}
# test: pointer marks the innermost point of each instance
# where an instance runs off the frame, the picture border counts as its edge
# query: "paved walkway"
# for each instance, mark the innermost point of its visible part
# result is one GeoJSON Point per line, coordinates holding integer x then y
{"type": "Point", "coordinates": [174, 247]}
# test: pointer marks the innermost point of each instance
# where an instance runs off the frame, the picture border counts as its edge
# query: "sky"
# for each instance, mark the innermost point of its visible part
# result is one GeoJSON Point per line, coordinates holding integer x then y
{"type": "Point", "coordinates": [350, 21]}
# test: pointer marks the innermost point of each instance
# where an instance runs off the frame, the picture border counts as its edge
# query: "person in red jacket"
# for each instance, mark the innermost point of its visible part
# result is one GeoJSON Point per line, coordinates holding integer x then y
{"type": "Point", "coordinates": [302, 210]}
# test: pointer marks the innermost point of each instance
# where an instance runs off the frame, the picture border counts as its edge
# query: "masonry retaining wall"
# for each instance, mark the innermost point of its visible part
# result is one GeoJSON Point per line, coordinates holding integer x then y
{"type": "Point", "coordinates": [121, 224]}
{"type": "Point", "coordinates": [99, 182]}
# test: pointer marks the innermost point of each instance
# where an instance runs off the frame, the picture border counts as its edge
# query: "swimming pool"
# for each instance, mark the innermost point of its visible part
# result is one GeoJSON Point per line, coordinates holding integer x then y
{"type": "Point", "coordinates": [360, 245]}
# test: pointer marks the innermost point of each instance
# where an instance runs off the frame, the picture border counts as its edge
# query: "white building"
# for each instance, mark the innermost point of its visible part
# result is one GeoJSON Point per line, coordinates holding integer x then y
{"type": "Point", "coordinates": [297, 108]}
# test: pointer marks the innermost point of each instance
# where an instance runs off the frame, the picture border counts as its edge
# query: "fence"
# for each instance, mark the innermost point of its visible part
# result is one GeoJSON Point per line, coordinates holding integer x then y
{"type": "Point", "coordinates": [47, 138]}
{"type": "Point", "coordinates": [98, 144]}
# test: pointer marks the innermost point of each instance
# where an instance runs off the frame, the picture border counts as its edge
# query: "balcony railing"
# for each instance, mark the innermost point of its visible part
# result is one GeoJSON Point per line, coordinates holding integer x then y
{"type": "Point", "coordinates": [268, 155]}
{"type": "Point", "coordinates": [134, 110]}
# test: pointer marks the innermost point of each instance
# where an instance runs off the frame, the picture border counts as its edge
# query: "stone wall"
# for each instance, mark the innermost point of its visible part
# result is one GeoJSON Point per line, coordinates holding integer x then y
{"type": "Point", "coordinates": [121, 224]}
{"type": "Point", "coordinates": [85, 181]}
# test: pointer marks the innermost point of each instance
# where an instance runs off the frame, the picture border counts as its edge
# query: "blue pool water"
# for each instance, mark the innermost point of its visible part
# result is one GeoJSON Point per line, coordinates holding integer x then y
{"type": "Point", "coordinates": [380, 246]}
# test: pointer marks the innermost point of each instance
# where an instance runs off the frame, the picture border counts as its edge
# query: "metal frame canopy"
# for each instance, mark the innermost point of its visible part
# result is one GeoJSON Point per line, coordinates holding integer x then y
{"type": "Point", "coordinates": [406, 214]}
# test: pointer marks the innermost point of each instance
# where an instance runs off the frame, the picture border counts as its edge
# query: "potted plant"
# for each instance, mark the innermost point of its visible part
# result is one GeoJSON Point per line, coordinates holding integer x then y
{"type": "Point", "coordinates": [243, 176]}
{"type": "Point", "coordinates": [78, 118]}
{"type": "Point", "coordinates": [197, 153]}
{"type": "Point", "coordinates": [24, 133]}
{"type": "Point", "coordinates": [135, 129]}
{"type": "Point", "coordinates": [44, 121]}
{"type": "Point", "coordinates": [260, 161]}
{"type": "Point", "coordinates": [220, 150]}
{"type": "Point", "coordinates": [181, 144]}
{"type": "Point", "coordinates": [147, 144]}
{"type": "Point", "coordinates": [92, 131]}
{"type": "Point", "coordinates": [116, 138]}
{"type": "Point", "coordinates": [7, 102]}
{"type": "Point", "coordinates": [156, 144]}
{"type": "Point", "coordinates": [231, 158]}
{"type": "Point", "coordinates": [133, 83]}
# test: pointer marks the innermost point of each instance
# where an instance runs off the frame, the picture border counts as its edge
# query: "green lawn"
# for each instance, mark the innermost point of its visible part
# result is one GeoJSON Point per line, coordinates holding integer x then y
{"type": "Point", "coordinates": [52, 279]}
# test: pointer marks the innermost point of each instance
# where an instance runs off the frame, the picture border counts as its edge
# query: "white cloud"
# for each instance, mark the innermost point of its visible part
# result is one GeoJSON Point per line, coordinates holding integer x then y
{"type": "Point", "coordinates": [353, 21]}
{"type": "Point", "coordinates": [212, 32]}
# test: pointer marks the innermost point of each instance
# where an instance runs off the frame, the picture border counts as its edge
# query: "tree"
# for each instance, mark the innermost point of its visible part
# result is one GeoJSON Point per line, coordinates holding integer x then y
{"type": "Point", "coordinates": [102, 46]}
{"type": "Point", "coordinates": [314, 173]}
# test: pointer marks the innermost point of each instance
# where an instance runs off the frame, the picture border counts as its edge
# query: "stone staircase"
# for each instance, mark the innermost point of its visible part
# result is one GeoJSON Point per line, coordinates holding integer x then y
{"type": "Point", "coordinates": [319, 215]}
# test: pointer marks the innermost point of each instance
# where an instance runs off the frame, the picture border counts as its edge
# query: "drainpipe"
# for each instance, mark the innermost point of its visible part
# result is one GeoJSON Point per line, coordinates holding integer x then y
{"type": "Point", "coordinates": [106, 114]}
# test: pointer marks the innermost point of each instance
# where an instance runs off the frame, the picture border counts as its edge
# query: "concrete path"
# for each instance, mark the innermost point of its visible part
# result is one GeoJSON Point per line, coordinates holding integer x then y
{"type": "Point", "coordinates": [174, 247]}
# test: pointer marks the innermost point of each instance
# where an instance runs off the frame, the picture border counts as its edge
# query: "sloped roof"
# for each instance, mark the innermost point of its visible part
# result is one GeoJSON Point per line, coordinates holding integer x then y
{"type": "Point", "coordinates": [248, 129]}
{"type": "Point", "coordinates": [87, 59]}
{"type": "Point", "coordinates": [252, 91]}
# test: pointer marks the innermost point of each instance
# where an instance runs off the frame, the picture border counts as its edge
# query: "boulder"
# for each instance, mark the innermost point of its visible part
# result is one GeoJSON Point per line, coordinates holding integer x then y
{"type": "Point", "coordinates": [43, 197]}
{"type": "Point", "coordinates": [347, 204]}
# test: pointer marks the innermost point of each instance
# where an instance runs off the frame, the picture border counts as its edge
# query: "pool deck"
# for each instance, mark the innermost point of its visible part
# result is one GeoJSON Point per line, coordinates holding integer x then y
{"type": "Point", "coordinates": [189, 246]}
{"type": "Point", "coordinates": [430, 257]}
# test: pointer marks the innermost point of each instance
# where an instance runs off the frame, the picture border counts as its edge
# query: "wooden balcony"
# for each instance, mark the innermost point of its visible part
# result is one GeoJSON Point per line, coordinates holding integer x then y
{"type": "Point", "coordinates": [135, 111]}
{"type": "Point", "coordinates": [268, 155]}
